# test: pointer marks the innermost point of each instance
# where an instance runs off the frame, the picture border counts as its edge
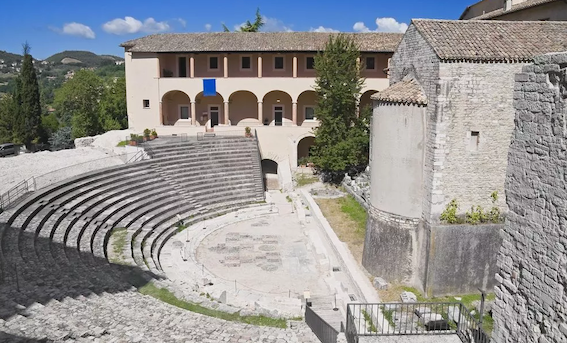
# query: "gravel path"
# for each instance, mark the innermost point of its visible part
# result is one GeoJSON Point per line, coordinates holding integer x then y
{"type": "Point", "coordinates": [18, 168]}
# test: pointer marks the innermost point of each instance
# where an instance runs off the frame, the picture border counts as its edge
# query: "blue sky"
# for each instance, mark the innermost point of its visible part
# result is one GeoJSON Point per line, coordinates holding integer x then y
{"type": "Point", "coordinates": [51, 26]}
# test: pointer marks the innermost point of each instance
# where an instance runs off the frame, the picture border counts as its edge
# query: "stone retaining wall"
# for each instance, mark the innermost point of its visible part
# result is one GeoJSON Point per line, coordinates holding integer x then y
{"type": "Point", "coordinates": [531, 302]}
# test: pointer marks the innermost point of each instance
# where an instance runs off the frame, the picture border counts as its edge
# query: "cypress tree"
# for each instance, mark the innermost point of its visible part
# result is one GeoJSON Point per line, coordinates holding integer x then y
{"type": "Point", "coordinates": [27, 98]}
{"type": "Point", "coordinates": [342, 137]}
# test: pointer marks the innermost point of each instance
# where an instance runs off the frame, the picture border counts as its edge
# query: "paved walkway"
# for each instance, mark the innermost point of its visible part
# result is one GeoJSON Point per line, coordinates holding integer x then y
{"type": "Point", "coordinates": [412, 339]}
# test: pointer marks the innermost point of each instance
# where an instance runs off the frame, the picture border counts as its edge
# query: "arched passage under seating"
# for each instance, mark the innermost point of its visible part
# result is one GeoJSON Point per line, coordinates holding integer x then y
{"type": "Point", "coordinates": [304, 150]}
{"type": "Point", "coordinates": [175, 107]}
{"type": "Point", "coordinates": [270, 174]}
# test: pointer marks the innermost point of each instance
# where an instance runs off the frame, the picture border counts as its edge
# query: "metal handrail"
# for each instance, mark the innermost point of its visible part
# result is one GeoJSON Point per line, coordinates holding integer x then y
{"type": "Point", "coordinates": [11, 196]}
{"type": "Point", "coordinates": [259, 158]}
{"type": "Point", "coordinates": [419, 318]}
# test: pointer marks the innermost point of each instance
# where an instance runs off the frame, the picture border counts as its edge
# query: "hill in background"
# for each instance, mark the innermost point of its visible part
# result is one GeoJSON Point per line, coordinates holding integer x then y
{"type": "Point", "coordinates": [84, 58]}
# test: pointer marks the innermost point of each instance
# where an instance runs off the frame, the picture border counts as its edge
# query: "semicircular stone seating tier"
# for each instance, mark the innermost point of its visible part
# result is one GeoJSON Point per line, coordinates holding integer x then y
{"type": "Point", "coordinates": [55, 243]}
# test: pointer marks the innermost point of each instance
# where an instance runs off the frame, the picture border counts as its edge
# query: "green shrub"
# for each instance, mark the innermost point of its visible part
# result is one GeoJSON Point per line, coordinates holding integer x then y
{"type": "Point", "coordinates": [61, 139]}
{"type": "Point", "coordinates": [449, 215]}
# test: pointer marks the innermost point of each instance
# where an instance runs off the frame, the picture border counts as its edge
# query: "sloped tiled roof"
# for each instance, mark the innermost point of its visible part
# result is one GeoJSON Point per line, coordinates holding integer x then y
{"type": "Point", "coordinates": [256, 42]}
{"type": "Point", "coordinates": [405, 92]}
{"type": "Point", "coordinates": [515, 8]}
{"type": "Point", "coordinates": [491, 40]}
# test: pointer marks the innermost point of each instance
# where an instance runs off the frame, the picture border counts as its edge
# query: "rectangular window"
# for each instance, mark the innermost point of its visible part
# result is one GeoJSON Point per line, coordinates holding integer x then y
{"type": "Point", "coordinates": [184, 112]}
{"type": "Point", "coordinates": [309, 113]}
{"type": "Point", "coordinates": [310, 63]}
{"type": "Point", "coordinates": [245, 63]}
{"type": "Point", "coordinates": [279, 63]}
{"type": "Point", "coordinates": [370, 63]}
{"type": "Point", "coordinates": [182, 66]}
{"type": "Point", "coordinates": [475, 140]}
{"type": "Point", "coordinates": [146, 103]}
{"type": "Point", "coordinates": [213, 63]}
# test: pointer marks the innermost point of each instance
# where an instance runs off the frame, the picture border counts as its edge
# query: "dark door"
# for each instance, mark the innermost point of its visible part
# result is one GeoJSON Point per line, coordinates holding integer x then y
{"type": "Point", "coordinates": [278, 115]}
{"type": "Point", "coordinates": [214, 113]}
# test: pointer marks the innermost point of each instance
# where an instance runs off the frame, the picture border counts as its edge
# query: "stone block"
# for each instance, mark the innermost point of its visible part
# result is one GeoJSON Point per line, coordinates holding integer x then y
{"type": "Point", "coordinates": [454, 313]}
{"type": "Point", "coordinates": [380, 283]}
{"type": "Point", "coordinates": [408, 297]}
{"type": "Point", "coordinates": [521, 77]}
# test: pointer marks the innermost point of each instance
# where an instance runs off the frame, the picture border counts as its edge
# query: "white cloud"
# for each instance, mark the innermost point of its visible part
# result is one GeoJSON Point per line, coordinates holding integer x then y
{"type": "Point", "coordinates": [128, 25]}
{"type": "Point", "coordinates": [208, 27]}
{"type": "Point", "coordinates": [323, 29]}
{"type": "Point", "coordinates": [382, 25]}
{"type": "Point", "coordinates": [275, 25]}
{"type": "Point", "coordinates": [182, 22]}
{"type": "Point", "coordinates": [77, 29]}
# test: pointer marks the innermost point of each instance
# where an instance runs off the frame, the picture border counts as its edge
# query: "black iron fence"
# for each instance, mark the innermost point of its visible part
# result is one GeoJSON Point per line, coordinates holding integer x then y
{"type": "Point", "coordinates": [393, 319]}
{"type": "Point", "coordinates": [323, 330]}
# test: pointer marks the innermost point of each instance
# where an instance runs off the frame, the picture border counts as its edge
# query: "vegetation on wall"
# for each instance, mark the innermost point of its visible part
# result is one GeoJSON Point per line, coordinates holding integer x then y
{"type": "Point", "coordinates": [343, 135]}
{"type": "Point", "coordinates": [476, 215]}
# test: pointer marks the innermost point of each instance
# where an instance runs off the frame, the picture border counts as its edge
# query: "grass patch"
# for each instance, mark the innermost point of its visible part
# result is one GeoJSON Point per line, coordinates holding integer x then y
{"type": "Point", "coordinates": [392, 294]}
{"type": "Point", "coordinates": [123, 143]}
{"type": "Point", "coordinates": [348, 219]}
{"type": "Point", "coordinates": [288, 198]}
{"type": "Point", "coordinates": [389, 315]}
{"type": "Point", "coordinates": [166, 296]}
{"type": "Point", "coordinates": [370, 327]}
{"type": "Point", "coordinates": [118, 243]}
{"type": "Point", "coordinates": [305, 179]}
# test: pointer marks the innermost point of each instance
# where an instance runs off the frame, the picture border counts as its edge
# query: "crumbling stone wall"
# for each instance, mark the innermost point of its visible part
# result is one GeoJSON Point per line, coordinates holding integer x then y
{"type": "Point", "coordinates": [531, 300]}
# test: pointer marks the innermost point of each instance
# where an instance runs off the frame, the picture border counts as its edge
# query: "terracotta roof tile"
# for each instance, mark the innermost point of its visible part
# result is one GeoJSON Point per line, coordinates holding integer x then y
{"type": "Point", "coordinates": [491, 40]}
{"type": "Point", "coordinates": [515, 8]}
{"type": "Point", "coordinates": [405, 92]}
{"type": "Point", "coordinates": [256, 42]}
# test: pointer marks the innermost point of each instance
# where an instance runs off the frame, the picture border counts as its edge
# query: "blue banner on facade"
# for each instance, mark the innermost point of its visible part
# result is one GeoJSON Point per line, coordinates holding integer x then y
{"type": "Point", "coordinates": [209, 87]}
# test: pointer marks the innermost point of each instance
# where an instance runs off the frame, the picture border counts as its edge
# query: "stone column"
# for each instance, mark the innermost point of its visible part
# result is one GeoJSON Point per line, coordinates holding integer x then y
{"type": "Point", "coordinates": [260, 116]}
{"type": "Point", "coordinates": [225, 58]}
{"type": "Point", "coordinates": [161, 113]}
{"type": "Point", "coordinates": [260, 65]}
{"type": "Point", "coordinates": [294, 113]}
{"type": "Point", "coordinates": [294, 65]}
{"type": "Point", "coordinates": [193, 113]}
{"type": "Point", "coordinates": [192, 66]}
{"type": "Point", "coordinates": [226, 113]}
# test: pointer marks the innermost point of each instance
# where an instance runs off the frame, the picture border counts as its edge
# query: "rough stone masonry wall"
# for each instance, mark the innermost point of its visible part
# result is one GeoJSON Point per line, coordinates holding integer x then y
{"type": "Point", "coordinates": [414, 56]}
{"type": "Point", "coordinates": [472, 97]}
{"type": "Point", "coordinates": [395, 246]}
{"type": "Point", "coordinates": [531, 302]}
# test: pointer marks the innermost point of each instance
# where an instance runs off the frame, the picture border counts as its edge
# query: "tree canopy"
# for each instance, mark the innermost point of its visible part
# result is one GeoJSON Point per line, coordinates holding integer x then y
{"type": "Point", "coordinates": [90, 105]}
{"type": "Point", "coordinates": [342, 137]}
{"type": "Point", "coordinates": [249, 26]}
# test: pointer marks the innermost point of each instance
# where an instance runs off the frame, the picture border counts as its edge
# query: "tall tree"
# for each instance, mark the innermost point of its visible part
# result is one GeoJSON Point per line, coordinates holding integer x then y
{"type": "Point", "coordinates": [7, 109]}
{"type": "Point", "coordinates": [342, 137]}
{"type": "Point", "coordinates": [114, 115]}
{"type": "Point", "coordinates": [248, 26]}
{"type": "Point", "coordinates": [28, 107]}
{"type": "Point", "coordinates": [77, 103]}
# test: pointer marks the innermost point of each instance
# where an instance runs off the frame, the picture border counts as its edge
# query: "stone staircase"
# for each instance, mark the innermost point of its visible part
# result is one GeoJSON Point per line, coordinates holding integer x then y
{"type": "Point", "coordinates": [54, 245]}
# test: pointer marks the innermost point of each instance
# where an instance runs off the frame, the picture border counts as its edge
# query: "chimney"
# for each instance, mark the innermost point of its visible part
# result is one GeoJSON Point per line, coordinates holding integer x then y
{"type": "Point", "coordinates": [507, 5]}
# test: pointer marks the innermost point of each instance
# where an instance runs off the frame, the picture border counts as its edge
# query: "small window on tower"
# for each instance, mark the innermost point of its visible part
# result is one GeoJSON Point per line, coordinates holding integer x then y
{"type": "Point", "coordinates": [146, 103]}
{"type": "Point", "coordinates": [475, 140]}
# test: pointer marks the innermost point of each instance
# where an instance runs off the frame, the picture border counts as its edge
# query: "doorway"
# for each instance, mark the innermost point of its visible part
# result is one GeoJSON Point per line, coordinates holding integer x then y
{"type": "Point", "coordinates": [278, 115]}
{"type": "Point", "coordinates": [214, 114]}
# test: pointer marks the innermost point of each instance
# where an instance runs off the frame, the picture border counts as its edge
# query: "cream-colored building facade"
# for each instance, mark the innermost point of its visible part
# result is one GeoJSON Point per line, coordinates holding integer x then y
{"type": "Point", "coordinates": [263, 80]}
{"type": "Point", "coordinates": [519, 10]}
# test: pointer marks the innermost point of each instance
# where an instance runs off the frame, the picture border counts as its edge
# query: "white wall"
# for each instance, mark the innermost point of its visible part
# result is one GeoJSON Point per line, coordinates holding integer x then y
{"type": "Point", "coordinates": [398, 137]}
